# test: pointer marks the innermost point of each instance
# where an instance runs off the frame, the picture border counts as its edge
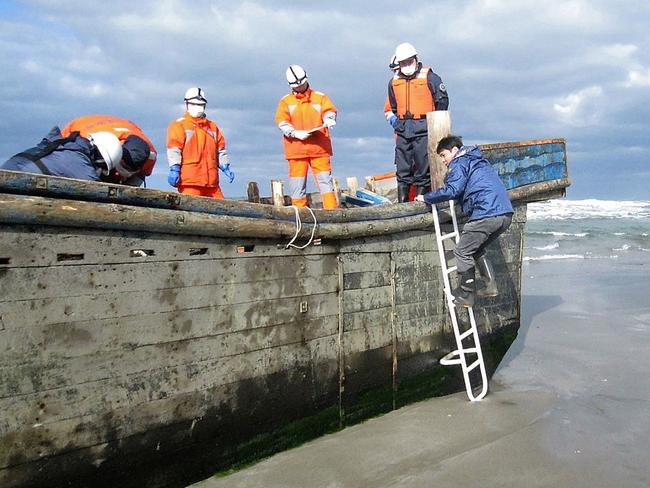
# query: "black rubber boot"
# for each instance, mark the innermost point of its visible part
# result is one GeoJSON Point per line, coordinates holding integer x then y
{"type": "Point", "coordinates": [486, 286]}
{"type": "Point", "coordinates": [421, 190]}
{"type": "Point", "coordinates": [464, 294]}
{"type": "Point", "coordinates": [403, 192]}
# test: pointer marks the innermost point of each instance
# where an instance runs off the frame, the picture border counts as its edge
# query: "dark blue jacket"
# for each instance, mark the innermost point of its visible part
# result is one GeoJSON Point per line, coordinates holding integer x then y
{"type": "Point", "coordinates": [72, 158]}
{"type": "Point", "coordinates": [472, 181]}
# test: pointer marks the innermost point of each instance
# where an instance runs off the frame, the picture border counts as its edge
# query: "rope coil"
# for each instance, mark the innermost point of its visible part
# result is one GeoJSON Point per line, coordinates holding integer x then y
{"type": "Point", "coordinates": [299, 228]}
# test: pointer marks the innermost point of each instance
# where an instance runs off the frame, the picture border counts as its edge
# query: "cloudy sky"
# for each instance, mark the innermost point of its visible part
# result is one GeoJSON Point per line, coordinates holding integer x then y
{"type": "Point", "coordinates": [515, 70]}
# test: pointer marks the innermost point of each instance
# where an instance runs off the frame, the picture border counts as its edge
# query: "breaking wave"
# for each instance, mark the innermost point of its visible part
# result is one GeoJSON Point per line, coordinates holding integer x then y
{"type": "Point", "coordinates": [589, 209]}
{"type": "Point", "coordinates": [549, 257]}
{"type": "Point", "coordinates": [548, 247]}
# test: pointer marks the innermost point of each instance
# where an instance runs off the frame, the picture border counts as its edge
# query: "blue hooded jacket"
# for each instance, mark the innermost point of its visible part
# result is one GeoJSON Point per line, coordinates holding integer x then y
{"type": "Point", "coordinates": [71, 158]}
{"type": "Point", "coordinates": [472, 181]}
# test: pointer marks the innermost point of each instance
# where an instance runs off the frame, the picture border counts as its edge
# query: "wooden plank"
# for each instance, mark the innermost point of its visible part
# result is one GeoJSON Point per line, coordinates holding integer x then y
{"type": "Point", "coordinates": [277, 192]}
{"type": "Point", "coordinates": [366, 318]}
{"type": "Point", "coordinates": [127, 333]}
{"type": "Point", "coordinates": [353, 185]}
{"type": "Point", "coordinates": [123, 420]}
{"type": "Point", "coordinates": [253, 192]}
{"type": "Point", "coordinates": [426, 290]}
{"type": "Point", "coordinates": [408, 241]}
{"type": "Point", "coordinates": [434, 310]}
{"type": "Point", "coordinates": [367, 339]}
{"type": "Point", "coordinates": [337, 190]}
{"type": "Point", "coordinates": [366, 279]}
{"type": "Point", "coordinates": [90, 215]}
{"type": "Point", "coordinates": [47, 372]}
{"type": "Point", "coordinates": [366, 299]}
{"type": "Point", "coordinates": [37, 283]}
{"type": "Point", "coordinates": [162, 382]}
{"type": "Point", "coordinates": [415, 328]}
{"type": "Point", "coordinates": [413, 268]}
{"type": "Point", "coordinates": [49, 311]}
{"type": "Point", "coordinates": [40, 246]}
{"type": "Point", "coordinates": [438, 126]}
{"type": "Point", "coordinates": [354, 262]}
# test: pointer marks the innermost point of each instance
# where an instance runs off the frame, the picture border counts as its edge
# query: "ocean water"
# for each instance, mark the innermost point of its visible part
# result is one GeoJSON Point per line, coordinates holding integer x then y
{"type": "Point", "coordinates": [588, 229]}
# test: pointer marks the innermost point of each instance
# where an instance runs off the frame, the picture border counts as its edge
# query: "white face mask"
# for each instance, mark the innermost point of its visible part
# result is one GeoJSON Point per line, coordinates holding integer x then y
{"type": "Point", "coordinates": [408, 70]}
{"type": "Point", "coordinates": [196, 110]}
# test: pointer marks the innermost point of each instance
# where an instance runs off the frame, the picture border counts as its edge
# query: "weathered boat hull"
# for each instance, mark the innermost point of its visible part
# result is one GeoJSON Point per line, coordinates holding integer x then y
{"type": "Point", "coordinates": [154, 345]}
{"type": "Point", "coordinates": [120, 350]}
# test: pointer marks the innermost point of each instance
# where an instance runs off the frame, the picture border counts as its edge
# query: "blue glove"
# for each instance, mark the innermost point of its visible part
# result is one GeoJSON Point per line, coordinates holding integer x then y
{"type": "Point", "coordinates": [225, 168]}
{"type": "Point", "coordinates": [174, 175]}
{"type": "Point", "coordinates": [393, 120]}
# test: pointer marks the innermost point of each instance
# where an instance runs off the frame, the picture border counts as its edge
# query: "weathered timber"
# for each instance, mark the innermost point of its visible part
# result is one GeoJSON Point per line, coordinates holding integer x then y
{"type": "Point", "coordinates": [438, 126]}
{"type": "Point", "coordinates": [353, 185]}
{"type": "Point", "coordinates": [38, 210]}
{"type": "Point", "coordinates": [253, 192]}
{"type": "Point", "coordinates": [277, 193]}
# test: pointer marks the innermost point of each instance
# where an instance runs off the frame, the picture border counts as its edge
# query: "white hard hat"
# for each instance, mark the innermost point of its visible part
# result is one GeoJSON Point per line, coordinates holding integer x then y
{"type": "Point", "coordinates": [296, 75]}
{"type": "Point", "coordinates": [404, 51]}
{"type": "Point", "coordinates": [393, 65]}
{"type": "Point", "coordinates": [109, 147]}
{"type": "Point", "coordinates": [195, 95]}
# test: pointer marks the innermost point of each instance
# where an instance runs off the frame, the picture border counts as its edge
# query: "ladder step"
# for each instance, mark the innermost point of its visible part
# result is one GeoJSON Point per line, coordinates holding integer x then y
{"type": "Point", "coordinates": [466, 334]}
{"type": "Point", "coordinates": [473, 365]}
{"type": "Point", "coordinates": [452, 269]}
{"type": "Point", "coordinates": [449, 359]}
{"type": "Point", "coordinates": [448, 236]}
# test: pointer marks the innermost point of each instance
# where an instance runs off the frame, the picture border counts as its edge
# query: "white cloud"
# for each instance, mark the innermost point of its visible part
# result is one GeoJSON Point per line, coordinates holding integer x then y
{"type": "Point", "coordinates": [638, 78]}
{"type": "Point", "coordinates": [580, 108]}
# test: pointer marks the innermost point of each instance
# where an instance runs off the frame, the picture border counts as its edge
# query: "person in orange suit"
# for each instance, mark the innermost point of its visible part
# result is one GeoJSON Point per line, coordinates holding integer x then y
{"type": "Point", "coordinates": [196, 150]}
{"type": "Point", "coordinates": [138, 152]}
{"type": "Point", "coordinates": [305, 117]}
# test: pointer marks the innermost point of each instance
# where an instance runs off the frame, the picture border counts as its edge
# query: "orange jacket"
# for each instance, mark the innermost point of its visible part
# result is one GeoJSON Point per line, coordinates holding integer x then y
{"type": "Point", "coordinates": [305, 111]}
{"type": "Point", "coordinates": [122, 128]}
{"type": "Point", "coordinates": [413, 96]}
{"type": "Point", "coordinates": [196, 144]}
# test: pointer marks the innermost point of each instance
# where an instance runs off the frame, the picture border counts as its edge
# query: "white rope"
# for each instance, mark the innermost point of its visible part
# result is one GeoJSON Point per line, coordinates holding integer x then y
{"type": "Point", "coordinates": [299, 228]}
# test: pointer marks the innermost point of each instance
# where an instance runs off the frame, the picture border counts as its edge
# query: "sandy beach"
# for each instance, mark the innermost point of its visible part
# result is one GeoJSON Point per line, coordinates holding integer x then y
{"type": "Point", "coordinates": [568, 407]}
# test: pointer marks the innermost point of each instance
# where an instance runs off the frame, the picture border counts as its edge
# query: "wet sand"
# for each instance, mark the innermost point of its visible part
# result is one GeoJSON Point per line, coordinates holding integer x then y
{"type": "Point", "coordinates": [568, 407]}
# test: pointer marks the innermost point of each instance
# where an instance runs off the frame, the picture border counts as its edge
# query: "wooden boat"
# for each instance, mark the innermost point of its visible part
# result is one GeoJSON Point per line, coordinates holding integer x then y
{"type": "Point", "coordinates": [149, 338]}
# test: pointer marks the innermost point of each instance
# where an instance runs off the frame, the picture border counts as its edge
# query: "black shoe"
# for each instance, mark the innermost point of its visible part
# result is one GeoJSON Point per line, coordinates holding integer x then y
{"type": "Point", "coordinates": [463, 298]}
{"type": "Point", "coordinates": [464, 294]}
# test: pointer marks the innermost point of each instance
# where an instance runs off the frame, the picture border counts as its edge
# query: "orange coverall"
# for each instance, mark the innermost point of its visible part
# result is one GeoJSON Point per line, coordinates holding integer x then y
{"type": "Point", "coordinates": [197, 145]}
{"type": "Point", "coordinates": [306, 111]}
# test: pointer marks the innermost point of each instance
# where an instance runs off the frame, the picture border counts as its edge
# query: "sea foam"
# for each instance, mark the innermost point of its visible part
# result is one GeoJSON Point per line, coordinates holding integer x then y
{"type": "Point", "coordinates": [588, 209]}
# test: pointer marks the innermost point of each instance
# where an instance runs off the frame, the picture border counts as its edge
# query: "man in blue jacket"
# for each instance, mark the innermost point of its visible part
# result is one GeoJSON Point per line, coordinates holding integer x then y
{"type": "Point", "coordinates": [484, 199]}
{"type": "Point", "coordinates": [84, 158]}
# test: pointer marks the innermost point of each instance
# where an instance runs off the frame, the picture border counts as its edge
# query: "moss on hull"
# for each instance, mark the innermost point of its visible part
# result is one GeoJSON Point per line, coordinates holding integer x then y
{"type": "Point", "coordinates": [438, 381]}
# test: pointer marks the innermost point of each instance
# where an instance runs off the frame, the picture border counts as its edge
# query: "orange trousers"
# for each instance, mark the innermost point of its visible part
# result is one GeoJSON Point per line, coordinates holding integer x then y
{"type": "Point", "coordinates": [322, 170]}
{"type": "Point", "coordinates": [201, 191]}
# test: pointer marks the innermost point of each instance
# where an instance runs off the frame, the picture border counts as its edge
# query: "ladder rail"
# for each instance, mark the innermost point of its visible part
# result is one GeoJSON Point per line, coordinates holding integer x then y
{"type": "Point", "coordinates": [461, 351]}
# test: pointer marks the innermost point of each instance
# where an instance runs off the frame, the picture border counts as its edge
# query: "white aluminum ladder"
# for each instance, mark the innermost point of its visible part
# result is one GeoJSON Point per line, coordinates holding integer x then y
{"type": "Point", "coordinates": [460, 355]}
